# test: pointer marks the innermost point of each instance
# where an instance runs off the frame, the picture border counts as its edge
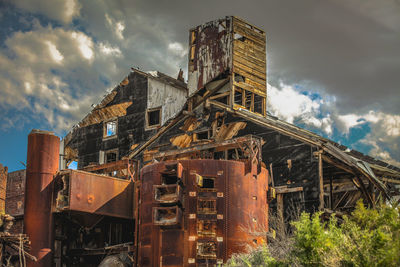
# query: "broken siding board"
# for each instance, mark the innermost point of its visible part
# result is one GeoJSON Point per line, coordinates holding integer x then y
{"type": "Point", "coordinates": [249, 33]}
{"type": "Point", "coordinates": [257, 71]}
{"type": "Point", "coordinates": [109, 112]}
{"type": "Point", "coordinates": [251, 76]}
{"type": "Point", "coordinates": [240, 21]}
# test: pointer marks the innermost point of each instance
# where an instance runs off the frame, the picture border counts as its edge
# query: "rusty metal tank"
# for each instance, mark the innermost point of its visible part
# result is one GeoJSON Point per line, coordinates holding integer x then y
{"type": "Point", "coordinates": [199, 212]}
{"type": "Point", "coordinates": [42, 164]}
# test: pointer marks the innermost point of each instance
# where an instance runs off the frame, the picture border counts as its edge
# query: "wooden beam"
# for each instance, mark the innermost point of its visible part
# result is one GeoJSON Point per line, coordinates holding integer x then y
{"type": "Point", "coordinates": [285, 189]}
{"type": "Point", "coordinates": [321, 182]}
{"type": "Point", "coordinates": [393, 181]}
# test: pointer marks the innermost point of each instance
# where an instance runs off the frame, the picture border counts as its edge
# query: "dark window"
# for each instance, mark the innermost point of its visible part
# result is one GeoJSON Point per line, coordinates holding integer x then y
{"type": "Point", "coordinates": [202, 135]}
{"type": "Point", "coordinates": [111, 156]}
{"type": "Point", "coordinates": [154, 117]}
{"type": "Point", "coordinates": [258, 104]}
{"type": "Point", "coordinates": [208, 182]}
{"type": "Point", "coordinates": [167, 179]}
{"type": "Point", "coordinates": [238, 99]}
{"type": "Point", "coordinates": [248, 96]}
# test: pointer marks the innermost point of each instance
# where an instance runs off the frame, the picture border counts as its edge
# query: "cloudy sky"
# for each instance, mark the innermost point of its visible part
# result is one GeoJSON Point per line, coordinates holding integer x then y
{"type": "Point", "coordinates": [333, 65]}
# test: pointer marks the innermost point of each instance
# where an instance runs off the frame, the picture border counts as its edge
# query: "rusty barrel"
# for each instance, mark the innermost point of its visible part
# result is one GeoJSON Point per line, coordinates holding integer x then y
{"type": "Point", "coordinates": [42, 164]}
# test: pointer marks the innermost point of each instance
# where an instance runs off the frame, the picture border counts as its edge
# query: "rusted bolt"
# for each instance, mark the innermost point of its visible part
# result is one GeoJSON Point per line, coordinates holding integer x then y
{"type": "Point", "coordinates": [90, 199]}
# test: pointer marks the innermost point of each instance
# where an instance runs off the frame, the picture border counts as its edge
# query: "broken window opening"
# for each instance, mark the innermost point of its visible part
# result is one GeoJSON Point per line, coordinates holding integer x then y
{"type": "Point", "coordinates": [239, 37]}
{"type": "Point", "coordinates": [167, 179]}
{"type": "Point", "coordinates": [73, 165]}
{"type": "Point", "coordinates": [110, 128]}
{"type": "Point", "coordinates": [258, 104]}
{"type": "Point", "coordinates": [206, 228]}
{"type": "Point", "coordinates": [207, 249]}
{"type": "Point", "coordinates": [154, 117]}
{"type": "Point", "coordinates": [239, 78]}
{"type": "Point", "coordinates": [248, 100]}
{"type": "Point", "coordinates": [111, 156]}
{"type": "Point", "coordinates": [203, 135]}
{"type": "Point", "coordinates": [166, 215]}
{"type": "Point", "coordinates": [167, 193]}
{"type": "Point", "coordinates": [208, 182]}
{"type": "Point", "coordinates": [207, 206]}
{"type": "Point", "coordinates": [238, 98]}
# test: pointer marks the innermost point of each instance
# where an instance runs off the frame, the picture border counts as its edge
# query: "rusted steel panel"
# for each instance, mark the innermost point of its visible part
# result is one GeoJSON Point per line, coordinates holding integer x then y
{"type": "Point", "coordinates": [92, 193]}
{"type": "Point", "coordinates": [224, 209]}
{"type": "Point", "coordinates": [42, 164]}
{"type": "Point", "coordinates": [210, 52]}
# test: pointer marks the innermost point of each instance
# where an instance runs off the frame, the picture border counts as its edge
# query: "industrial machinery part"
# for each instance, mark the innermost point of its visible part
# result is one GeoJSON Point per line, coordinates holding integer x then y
{"type": "Point", "coordinates": [42, 164]}
{"type": "Point", "coordinates": [214, 209]}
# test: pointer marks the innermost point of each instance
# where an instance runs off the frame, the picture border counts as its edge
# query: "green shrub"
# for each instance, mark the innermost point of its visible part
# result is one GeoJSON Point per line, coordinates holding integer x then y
{"type": "Point", "coordinates": [259, 256]}
{"type": "Point", "coordinates": [369, 237]}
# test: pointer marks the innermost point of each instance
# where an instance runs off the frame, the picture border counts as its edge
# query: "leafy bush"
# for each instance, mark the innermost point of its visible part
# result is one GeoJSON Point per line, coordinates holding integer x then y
{"type": "Point", "coordinates": [369, 237]}
{"type": "Point", "coordinates": [256, 257]}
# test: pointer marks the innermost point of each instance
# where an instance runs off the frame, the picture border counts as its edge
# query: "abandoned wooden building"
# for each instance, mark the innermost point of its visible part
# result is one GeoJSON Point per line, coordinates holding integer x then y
{"type": "Point", "coordinates": [172, 170]}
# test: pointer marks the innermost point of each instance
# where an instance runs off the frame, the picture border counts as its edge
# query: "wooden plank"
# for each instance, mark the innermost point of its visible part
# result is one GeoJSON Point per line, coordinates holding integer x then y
{"type": "Point", "coordinates": [250, 57]}
{"type": "Point", "coordinates": [255, 50]}
{"type": "Point", "coordinates": [246, 61]}
{"type": "Point", "coordinates": [253, 71]}
{"type": "Point", "coordinates": [250, 76]}
{"type": "Point", "coordinates": [244, 23]}
{"type": "Point", "coordinates": [285, 189]}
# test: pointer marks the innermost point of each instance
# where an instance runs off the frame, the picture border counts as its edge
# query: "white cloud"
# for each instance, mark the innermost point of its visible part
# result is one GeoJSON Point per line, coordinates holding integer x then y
{"type": "Point", "coordinates": [288, 104]}
{"type": "Point", "coordinates": [177, 49]}
{"type": "Point", "coordinates": [118, 27]}
{"type": "Point", "coordinates": [109, 50]}
{"type": "Point", "coordinates": [85, 44]}
{"type": "Point", "coordinates": [54, 53]}
{"type": "Point", "coordinates": [48, 73]}
{"type": "Point", "coordinates": [60, 10]}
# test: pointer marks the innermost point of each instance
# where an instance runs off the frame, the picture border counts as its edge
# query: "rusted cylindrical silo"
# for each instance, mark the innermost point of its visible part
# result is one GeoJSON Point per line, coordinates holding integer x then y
{"type": "Point", "coordinates": [199, 212]}
{"type": "Point", "coordinates": [42, 164]}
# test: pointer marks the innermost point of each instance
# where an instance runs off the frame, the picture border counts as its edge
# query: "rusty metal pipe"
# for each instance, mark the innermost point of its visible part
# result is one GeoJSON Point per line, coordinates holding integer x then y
{"type": "Point", "coordinates": [42, 164]}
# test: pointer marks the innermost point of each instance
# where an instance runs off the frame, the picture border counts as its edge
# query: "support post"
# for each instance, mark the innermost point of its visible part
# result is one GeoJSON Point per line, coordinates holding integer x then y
{"type": "Point", "coordinates": [321, 182]}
